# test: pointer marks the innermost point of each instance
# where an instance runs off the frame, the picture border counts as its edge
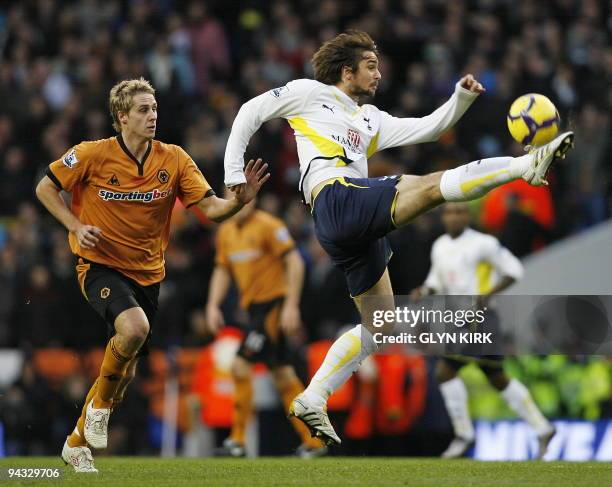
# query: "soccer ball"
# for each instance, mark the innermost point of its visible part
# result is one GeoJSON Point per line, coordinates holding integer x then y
{"type": "Point", "coordinates": [533, 120]}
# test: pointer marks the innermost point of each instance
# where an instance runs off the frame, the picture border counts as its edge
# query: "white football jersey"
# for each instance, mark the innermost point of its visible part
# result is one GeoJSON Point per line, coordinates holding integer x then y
{"type": "Point", "coordinates": [335, 135]}
{"type": "Point", "coordinates": [470, 264]}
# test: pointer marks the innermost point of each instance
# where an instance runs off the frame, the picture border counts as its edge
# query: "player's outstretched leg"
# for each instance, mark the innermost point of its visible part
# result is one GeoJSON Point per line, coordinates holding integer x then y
{"type": "Point", "coordinates": [417, 194]}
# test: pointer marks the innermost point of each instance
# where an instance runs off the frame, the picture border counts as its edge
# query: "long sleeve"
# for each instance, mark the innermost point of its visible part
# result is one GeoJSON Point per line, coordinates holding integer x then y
{"type": "Point", "coordinates": [284, 102]}
{"type": "Point", "coordinates": [394, 132]}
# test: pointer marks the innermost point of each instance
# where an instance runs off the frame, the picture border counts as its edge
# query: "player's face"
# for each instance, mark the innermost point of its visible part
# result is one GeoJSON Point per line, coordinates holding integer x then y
{"type": "Point", "coordinates": [364, 81]}
{"type": "Point", "coordinates": [455, 218]}
{"type": "Point", "coordinates": [142, 117]}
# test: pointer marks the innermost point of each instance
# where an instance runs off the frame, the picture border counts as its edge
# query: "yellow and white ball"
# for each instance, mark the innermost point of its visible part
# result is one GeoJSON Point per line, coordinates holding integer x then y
{"type": "Point", "coordinates": [533, 120]}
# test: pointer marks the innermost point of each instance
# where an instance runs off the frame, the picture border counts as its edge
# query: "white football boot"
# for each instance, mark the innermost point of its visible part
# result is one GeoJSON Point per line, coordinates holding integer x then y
{"type": "Point", "coordinates": [96, 426]}
{"type": "Point", "coordinates": [316, 420]}
{"type": "Point", "coordinates": [79, 457]}
{"type": "Point", "coordinates": [543, 156]}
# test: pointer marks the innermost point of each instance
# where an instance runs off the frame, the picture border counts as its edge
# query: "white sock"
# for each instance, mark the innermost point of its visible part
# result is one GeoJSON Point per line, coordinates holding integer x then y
{"type": "Point", "coordinates": [477, 178]}
{"type": "Point", "coordinates": [519, 399]}
{"type": "Point", "coordinates": [455, 398]}
{"type": "Point", "coordinates": [342, 359]}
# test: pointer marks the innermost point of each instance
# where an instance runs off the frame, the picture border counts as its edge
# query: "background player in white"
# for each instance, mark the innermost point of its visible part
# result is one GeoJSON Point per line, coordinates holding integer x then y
{"type": "Point", "coordinates": [470, 263]}
{"type": "Point", "coordinates": [336, 132]}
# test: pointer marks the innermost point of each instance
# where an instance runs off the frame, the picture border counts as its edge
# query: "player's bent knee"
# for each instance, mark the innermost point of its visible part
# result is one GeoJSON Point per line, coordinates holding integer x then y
{"type": "Point", "coordinates": [140, 331]}
{"type": "Point", "coordinates": [133, 325]}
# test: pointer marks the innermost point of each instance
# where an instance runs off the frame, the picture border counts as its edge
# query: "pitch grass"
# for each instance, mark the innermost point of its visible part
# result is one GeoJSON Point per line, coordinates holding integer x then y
{"type": "Point", "coordinates": [332, 471]}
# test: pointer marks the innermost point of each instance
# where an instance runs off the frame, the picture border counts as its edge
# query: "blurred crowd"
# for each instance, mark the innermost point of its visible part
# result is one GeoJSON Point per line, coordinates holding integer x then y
{"type": "Point", "coordinates": [205, 58]}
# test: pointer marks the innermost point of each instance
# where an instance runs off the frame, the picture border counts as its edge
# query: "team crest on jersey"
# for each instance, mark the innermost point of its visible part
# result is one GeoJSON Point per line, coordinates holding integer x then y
{"type": "Point", "coordinates": [163, 176]}
{"type": "Point", "coordinates": [278, 92]}
{"type": "Point", "coordinates": [105, 292]}
{"type": "Point", "coordinates": [354, 139]}
{"type": "Point", "coordinates": [70, 159]}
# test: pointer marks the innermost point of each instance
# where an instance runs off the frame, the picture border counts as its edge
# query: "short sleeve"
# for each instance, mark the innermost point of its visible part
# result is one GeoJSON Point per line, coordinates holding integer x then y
{"type": "Point", "coordinates": [221, 258]}
{"type": "Point", "coordinates": [73, 167]}
{"type": "Point", "coordinates": [504, 262]}
{"type": "Point", "coordinates": [279, 239]}
{"type": "Point", "coordinates": [193, 186]}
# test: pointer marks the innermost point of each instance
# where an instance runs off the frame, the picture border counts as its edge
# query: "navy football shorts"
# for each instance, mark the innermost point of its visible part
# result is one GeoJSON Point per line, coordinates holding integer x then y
{"type": "Point", "coordinates": [352, 218]}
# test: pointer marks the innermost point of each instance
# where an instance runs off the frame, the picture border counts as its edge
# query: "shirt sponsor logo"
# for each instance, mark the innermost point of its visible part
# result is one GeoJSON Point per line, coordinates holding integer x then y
{"type": "Point", "coordinates": [245, 255]}
{"type": "Point", "coordinates": [70, 159]}
{"type": "Point", "coordinates": [146, 197]}
{"type": "Point", "coordinates": [354, 138]}
{"type": "Point", "coordinates": [351, 141]}
{"type": "Point", "coordinates": [278, 92]}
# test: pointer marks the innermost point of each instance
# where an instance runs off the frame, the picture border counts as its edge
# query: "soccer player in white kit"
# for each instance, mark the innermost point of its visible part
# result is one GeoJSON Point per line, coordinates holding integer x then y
{"type": "Point", "coordinates": [336, 132]}
{"type": "Point", "coordinates": [471, 263]}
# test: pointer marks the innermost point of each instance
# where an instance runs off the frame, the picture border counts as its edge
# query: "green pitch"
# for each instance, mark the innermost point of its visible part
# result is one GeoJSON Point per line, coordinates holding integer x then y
{"type": "Point", "coordinates": [334, 472]}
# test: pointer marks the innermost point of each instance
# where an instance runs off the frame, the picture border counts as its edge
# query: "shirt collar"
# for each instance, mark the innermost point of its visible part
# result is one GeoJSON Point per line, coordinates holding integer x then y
{"type": "Point", "coordinates": [342, 96]}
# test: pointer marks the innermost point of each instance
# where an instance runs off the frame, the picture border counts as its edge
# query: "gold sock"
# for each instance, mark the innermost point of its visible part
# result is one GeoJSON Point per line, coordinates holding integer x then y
{"type": "Point", "coordinates": [77, 437]}
{"type": "Point", "coordinates": [243, 406]}
{"type": "Point", "coordinates": [113, 369]}
{"type": "Point", "coordinates": [288, 393]}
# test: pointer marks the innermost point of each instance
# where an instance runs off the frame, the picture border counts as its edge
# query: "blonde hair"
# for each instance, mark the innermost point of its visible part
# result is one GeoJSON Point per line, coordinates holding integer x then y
{"type": "Point", "coordinates": [122, 94]}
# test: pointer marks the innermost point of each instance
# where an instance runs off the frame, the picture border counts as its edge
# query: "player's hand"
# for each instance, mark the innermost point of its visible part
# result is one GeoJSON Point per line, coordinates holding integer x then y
{"type": "Point", "coordinates": [256, 176]}
{"type": "Point", "coordinates": [290, 319]}
{"type": "Point", "coordinates": [88, 236]}
{"type": "Point", "coordinates": [214, 319]}
{"type": "Point", "coordinates": [470, 83]}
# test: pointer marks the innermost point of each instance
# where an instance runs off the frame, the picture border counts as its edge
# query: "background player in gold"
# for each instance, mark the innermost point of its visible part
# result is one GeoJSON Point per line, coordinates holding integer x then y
{"type": "Point", "coordinates": [123, 191]}
{"type": "Point", "coordinates": [255, 248]}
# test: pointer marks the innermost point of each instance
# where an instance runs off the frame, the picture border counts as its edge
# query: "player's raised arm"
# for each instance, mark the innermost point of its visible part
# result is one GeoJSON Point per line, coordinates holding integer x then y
{"type": "Point", "coordinates": [394, 132]}
{"type": "Point", "coordinates": [282, 102]}
{"type": "Point", "coordinates": [219, 209]}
